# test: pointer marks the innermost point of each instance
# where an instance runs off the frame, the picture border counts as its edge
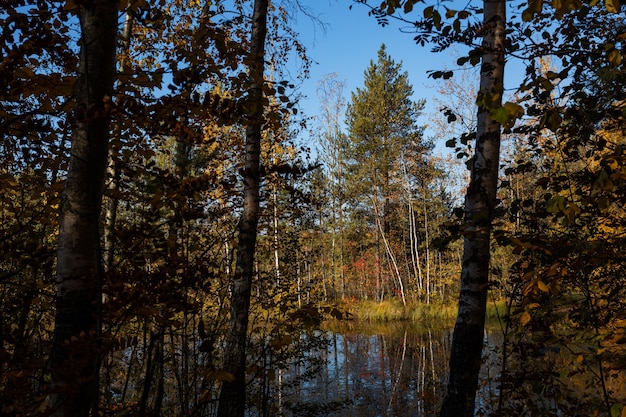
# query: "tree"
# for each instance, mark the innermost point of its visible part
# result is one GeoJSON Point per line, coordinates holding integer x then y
{"type": "Point", "coordinates": [79, 268]}
{"type": "Point", "coordinates": [233, 392]}
{"type": "Point", "coordinates": [480, 203]}
{"type": "Point", "coordinates": [381, 119]}
{"type": "Point", "coordinates": [333, 142]}
{"type": "Point", "coordinates": [569, 269]}
{"type": "Point", "coordinates": [480, 198]}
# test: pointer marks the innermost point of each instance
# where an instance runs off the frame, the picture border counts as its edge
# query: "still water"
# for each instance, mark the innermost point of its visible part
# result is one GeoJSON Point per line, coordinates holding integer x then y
{"type": "Point", "coordinates": [373, 370]}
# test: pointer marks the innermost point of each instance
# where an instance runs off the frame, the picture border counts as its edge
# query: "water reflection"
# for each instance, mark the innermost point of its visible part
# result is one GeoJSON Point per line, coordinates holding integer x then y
{"type": "Point", "coordinates": [390, 370]}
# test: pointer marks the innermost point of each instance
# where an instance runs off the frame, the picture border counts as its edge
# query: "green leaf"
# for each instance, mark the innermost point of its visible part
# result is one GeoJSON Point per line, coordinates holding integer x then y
{"type": "Point", "coordinates": [616, 410]}
{"type": "Point", "coordinates": [500, 115]}
{"type": "Point", "coordinates": [555, 204]}
{"type": "Point", "coordinates": [507, 114]}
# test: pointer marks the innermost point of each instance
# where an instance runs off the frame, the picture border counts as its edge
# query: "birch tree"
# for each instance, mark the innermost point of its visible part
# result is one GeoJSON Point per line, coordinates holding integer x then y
{"type": "Point", "coordinates": [480, 198]}
{"type": "Point", "coordinates": [79, 268]}
{"type": "Point", "coordinates": [333, 143]}
{"type": "Point", "coordinates": [232, 398]}
{"type": "Point", "coordinates": [480, 202]}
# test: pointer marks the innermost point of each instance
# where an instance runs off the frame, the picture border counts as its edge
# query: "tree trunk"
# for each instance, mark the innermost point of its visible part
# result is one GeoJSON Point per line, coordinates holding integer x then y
{"type": "Point", "coordinates": [79, 268]}
{"type": "Point", "coordinates": [480, 200]}
{"type": "Point", "coordinates": [233, 393]}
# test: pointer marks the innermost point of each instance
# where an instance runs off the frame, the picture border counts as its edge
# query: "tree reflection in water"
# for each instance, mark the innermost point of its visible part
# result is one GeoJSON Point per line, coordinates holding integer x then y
{"type": "Point", "coordinates": [373, 370]}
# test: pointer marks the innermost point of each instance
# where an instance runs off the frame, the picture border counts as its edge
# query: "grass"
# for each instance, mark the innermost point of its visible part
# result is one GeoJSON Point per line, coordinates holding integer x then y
{"type": "Point", "coordinates": [387, 311]}
{"type": "Point", "coordinates": [391, 311]}
{"type": "Point", "coordinates": [497, 310]}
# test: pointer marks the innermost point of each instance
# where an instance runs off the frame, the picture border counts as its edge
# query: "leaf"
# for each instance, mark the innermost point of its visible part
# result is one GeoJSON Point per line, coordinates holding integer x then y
{"type": "Point", "coordinates": [617, 410]}
{"type": "Point", "coordinates": [555, 288]}
{"type": "Point", "coordinates": [612, 5]}
{"type": "Point", "coordinates": [508, 114]}
{"type": "Point", "coordinates": [500, 115]}
{"type": "Point", "coordinates": [525, 318]}
{"type": "Point", "coordinates": [515, 110]}
{"type": "Point", "coordinates": [456, 25]}
{"type": "Point", "coordinates": [534, 7]}
{"type": "Point", "coordinates": [551, 120]}
{"type": "Point", "coordinates": [437, 19]}
{"type": "Point", "coordinates": [603, 203]}
{"type": "Point", "coordinates": [542, 286]}
{"type": "Point", "coordinates": [614, 57]}
{"type": "Point", "coordinates": [555, 204]}
{"type": "Point", "coordinates": [281, 341]}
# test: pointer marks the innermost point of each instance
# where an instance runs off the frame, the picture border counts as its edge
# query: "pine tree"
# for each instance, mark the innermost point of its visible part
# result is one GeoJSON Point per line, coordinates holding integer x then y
{"type": "Point", "coordinates": [381, 119]}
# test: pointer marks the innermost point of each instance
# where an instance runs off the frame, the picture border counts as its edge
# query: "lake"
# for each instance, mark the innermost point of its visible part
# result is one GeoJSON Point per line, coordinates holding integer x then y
{"type": "Point", "coordinates": [392, 369]}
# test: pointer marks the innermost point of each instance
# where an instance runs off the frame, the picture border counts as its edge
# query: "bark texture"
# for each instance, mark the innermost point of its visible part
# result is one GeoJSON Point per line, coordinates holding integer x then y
{"type": "Point", "coordinates": [480, 201]}
{"type": "Point", "coordinates": [232, 398]}
{"type": "Point", "coordinates": [74, 357]}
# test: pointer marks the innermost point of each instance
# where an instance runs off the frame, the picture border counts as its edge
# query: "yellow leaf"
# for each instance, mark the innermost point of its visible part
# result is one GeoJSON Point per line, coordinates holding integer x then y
{"type": "Point", "coordinates": [525, 318]}
{"type": "Point", "coordinates": [614, 57]}
{"type": "Point", "coordinates": [612, 5]}
{"type": "Point", "coordinates": [579, 359]}
{"type": "Point", "coordinates": [542, 286]}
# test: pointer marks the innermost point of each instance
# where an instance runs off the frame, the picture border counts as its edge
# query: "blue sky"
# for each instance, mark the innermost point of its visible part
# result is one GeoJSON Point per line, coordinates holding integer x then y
{"type": "Point", "coordinates": [350, 40]}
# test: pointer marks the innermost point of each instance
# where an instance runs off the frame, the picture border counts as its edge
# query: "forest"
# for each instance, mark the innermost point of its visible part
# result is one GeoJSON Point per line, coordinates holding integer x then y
{"type": "Point", "coordinates": [171, 246]}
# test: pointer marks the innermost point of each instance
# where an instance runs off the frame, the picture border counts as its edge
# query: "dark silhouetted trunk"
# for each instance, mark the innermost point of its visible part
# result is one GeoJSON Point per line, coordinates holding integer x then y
{"type": "Point", "coordinates": [79, 270]}
{"type": "Point", "coordinates": [480, 201]}
{"type": "Point", "coordinates": [232, 398]}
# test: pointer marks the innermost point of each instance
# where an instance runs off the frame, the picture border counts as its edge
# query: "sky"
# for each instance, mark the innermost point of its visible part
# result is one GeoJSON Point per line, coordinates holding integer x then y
{"type": "Point", "coordinates": [350, 39]}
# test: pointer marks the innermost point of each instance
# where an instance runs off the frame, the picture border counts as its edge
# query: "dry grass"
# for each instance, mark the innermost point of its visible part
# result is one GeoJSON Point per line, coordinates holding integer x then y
{"type": "Point", "coordinates": [387, 311]}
